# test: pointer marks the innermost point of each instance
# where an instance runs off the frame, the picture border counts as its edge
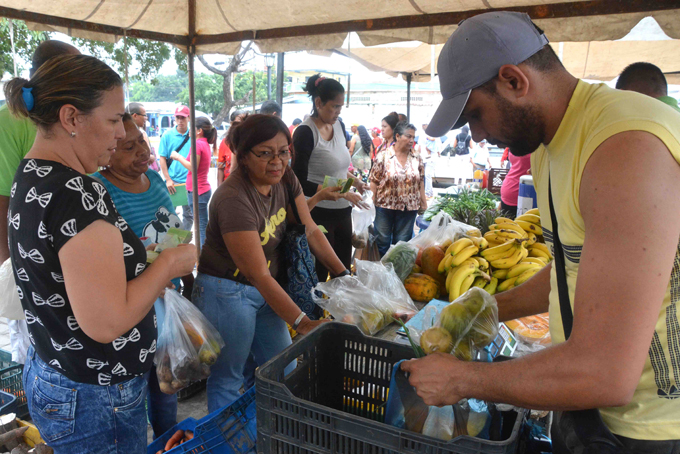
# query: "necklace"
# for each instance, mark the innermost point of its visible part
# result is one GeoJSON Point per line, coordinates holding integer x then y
{"type": "Point", "coordinates": [266, 209]}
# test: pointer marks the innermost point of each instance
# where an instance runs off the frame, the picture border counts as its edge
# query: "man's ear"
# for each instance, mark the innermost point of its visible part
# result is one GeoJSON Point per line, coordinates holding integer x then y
{"type": "Point", "coordinates": [512, 81]}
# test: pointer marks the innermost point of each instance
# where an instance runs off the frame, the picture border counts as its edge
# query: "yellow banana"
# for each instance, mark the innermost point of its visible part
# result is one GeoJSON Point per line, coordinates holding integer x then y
{"type": "Point", "coordinates": [452, 271]}
{"type": "Point", "coordinates": [457, 279]}
{"type": "Point", "coordinates": [512, 226]}
{"type": "Point", "coordinates": [532, 238]}
{"type": "Point", "coordinates": [510, 261]}
{"type": "Point", "coordinates": [481, 243]}
{"type": "Point", "coordinates": [502, 220]}
{"type": "Point", "coordinates": [525, 253]}
{"type": "Point", "coordinates": [498, 249]}
{"type": "Point", "coordinates": [442, 265]}
{"type": "Point", "coordinates": [537, 260]}
{"type": "Point", "coordinates": [492, 237]}
{"type": "Point", "coordinates": [533, 211]}
{"type": "Point", "coordinates": [459, 245]}
{"type": "Point", "coordinates": [474, 233]}
{"type": "Point", "coordinates": [445, 245]}
{"type": "Point", "coordinates": [525, 276]}
{"type": "Point", "coordinates": [538, 253]}
{"type": "Point", "coordinates": [479, 282]}
{"type": "Point", "coordinates": [464, 255]}
{"type": "Point", "coordinates": [467, 283]}
{"type": "Point", "coordinates": [542, 247]}
{"type": "Point", "coordinates": [530, 227]}
{"type": "Point", "coordinates": [520, 268]}
{"type": "Point", "coordinates": [492, 286]}
{"type": "Point", "coordinates": [500, 274]}
{"type": "Point", "coordinates": [505, 285]}
{"type": "Point", "coordinates": [502, 255]}
{"type": "Point", "coordinates": [529, 218]}
{"type": "Point", "coordinates": [483, 263]}
{"type": "Point", "coordinates": [507, 233]}
{"type": "Point", "coordinates": [449, 263]}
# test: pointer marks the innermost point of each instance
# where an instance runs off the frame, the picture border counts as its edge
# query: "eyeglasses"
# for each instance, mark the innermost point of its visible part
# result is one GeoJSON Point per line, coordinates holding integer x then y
{"type": "Point", "coordinates": [268, 156]}
{"type": "Point", "coordinates": [140, 115]}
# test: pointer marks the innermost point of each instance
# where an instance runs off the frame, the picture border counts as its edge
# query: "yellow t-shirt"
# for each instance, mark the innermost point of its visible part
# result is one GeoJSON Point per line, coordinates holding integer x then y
{"type": "Point", "coordinates": [595, 113]}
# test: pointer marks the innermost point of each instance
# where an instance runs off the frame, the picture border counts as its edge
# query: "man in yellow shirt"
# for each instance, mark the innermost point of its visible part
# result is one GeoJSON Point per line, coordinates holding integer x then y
{"type": "Point", "coordinates": [612, 160]}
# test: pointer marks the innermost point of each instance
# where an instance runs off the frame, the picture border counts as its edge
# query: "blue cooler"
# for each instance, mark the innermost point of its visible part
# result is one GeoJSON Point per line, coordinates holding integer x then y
{"type": "Point", "coordinates": [526, 199]}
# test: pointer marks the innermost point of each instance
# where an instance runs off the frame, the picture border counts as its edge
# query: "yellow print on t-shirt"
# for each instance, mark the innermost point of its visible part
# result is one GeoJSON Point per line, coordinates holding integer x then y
{"type": "Point", "coordinates": [271, 224]}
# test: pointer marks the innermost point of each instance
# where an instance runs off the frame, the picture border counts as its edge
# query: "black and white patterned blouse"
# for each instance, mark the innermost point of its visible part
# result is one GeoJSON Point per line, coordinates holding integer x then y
{"type": "Point", "coordinates": [50, 203]}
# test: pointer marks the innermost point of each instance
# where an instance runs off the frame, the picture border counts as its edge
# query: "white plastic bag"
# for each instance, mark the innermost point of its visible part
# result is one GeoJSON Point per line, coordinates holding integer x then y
{"type": "Point", "coordinates": [370, 308]}
{"type": "Point", "coordinates": [362, 218]}
{"type": "Point", "coordinates": [443, 229]}
{"type": "Point", "coordinates": [10, 304]}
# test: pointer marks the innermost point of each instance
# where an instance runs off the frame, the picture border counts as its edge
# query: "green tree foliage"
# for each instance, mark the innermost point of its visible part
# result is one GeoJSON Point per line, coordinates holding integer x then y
{"type": "Point", "coordinates": [162, 88]}
{"type": "Point", "coordinates": [243, 83]}
{"type": "Point", "coordinates": [208, 92]}
{"type": "Point", "coordinates": [25, 42]}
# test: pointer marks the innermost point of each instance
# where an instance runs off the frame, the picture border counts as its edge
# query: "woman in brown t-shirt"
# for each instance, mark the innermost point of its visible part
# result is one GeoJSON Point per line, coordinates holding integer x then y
{"type": "Point", "coordinates": [236, 286]}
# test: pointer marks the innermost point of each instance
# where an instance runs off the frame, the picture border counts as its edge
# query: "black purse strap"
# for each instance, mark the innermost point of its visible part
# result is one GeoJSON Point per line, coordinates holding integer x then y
{"type": "Point", "coordinates": [186, 139]}
{"type": "Point", "coordinates": [291, 200]}
{"type": "Point", "coordinates": [562, 287]}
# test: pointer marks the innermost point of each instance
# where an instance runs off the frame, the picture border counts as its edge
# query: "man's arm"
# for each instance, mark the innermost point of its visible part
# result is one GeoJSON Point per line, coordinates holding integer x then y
{"type": "Point", "coordinates": [625, 267]}
{"type": "Point", "coordinates": [168, 181]}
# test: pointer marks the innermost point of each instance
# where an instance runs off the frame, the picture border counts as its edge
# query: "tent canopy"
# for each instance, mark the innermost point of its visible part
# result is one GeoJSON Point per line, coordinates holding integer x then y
{"type": "Point", "coordinates": [285, 25]}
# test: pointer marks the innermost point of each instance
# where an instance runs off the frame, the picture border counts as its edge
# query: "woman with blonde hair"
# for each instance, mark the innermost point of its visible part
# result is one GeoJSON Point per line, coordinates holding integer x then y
{"type": "Point", "coordinates": [80, 269]}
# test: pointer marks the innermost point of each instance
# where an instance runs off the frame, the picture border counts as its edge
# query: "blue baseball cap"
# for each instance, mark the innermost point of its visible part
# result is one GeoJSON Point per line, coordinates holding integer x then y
{"type": "Point", "coordinates": [473, 55]}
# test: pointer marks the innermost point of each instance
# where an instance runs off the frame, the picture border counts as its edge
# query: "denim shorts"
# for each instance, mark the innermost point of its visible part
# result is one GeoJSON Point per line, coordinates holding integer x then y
{"type": "Point", "coordinates": [79, 418]}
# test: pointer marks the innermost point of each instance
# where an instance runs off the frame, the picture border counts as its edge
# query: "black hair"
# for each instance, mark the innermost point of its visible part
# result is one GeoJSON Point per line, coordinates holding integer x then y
{"type": "Point", "coordinates": [209, 131]}
{"type": "Point", "coordinates": [254, 130]}
{"type": "Point", "coordinates": [401, 128]}
{"type": "Point", "coordinates": [391, 120]}
{"type": "Point", "coordinates": [48, 49]}
{"type": "Point", "coordinates": [325, 90]}
{"type": "Point", "coordinates": [135, 108]}
{"type": "Point", "coordinates": [297, 121]}
{"type": "Point", "coordinates": [127, 117]}
{"type": "Point", "coordinates": [270, 107]}
{"type": "Point", "coordinates": [235, 114]}
{"type": "Point", "coordinates": [365, 138]}
{"type": "Point", "coordinates": [79, 80]}
{"type": "Point", "coordinates": [644, 78]}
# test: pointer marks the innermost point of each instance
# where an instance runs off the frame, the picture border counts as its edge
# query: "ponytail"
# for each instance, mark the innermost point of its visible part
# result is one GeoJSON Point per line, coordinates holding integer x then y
{"type": "Point", "coordinates": [324, 89]}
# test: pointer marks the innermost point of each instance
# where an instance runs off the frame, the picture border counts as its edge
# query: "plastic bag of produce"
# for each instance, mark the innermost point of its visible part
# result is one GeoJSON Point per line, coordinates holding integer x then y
{"type": "Point", "coordinates": [532, 333]}
{"type": "Point", "coordinates": [10, 304]}
{"type": "Point", "coordinates": [187, 347]}
{"type": "Point", "coordinates": [350, 300]}
{"type": "Point", "coordinates": [443, 230]}
{"type": "Point", "coordinates": [406, 410]}
{"type": "Point", "coordinates": [402, 256]}
{"type": "Point", "coordinates": [463, 327]}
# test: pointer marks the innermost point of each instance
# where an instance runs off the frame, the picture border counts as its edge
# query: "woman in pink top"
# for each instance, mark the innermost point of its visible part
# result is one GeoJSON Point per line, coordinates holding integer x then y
{"type": "Point", "coordinates": [510, 189]}
{"type": "Point", "coordinates": [206, 135]}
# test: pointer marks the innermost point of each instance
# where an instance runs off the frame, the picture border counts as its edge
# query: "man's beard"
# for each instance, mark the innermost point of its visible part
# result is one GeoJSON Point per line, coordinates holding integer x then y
{"type": "Point", "coordinates": [523, 128]}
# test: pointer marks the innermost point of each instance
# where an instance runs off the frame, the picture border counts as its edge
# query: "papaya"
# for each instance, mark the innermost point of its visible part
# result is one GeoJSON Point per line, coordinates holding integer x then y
{"type": "Point", "coordinates": [419, 256]}
{"type": "Point", "coordinates": [421, 287]}
{"type": "Point", "coordinates": [429, 263]}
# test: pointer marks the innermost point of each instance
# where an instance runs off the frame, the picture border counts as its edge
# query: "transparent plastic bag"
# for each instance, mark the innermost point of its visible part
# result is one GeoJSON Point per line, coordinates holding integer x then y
{"type": "Point", "coordinates": [10, 304]}
{"type": "Point", "coordinates": [362, 218]}
{"type": "Point", "coordinates": [402, 256]}
{"type": "Point", "coordinates": [443, 229]}
{"type": "Point", "coordinates": [187, 347]}
{"type": "Point", "coordinates": [463, 327]}
{"type": "Point", "coordinates": [532, 333]}
{"type": "Point", "coordinates": [351, 301]}
{"type": "Point", "coordinates": [406, 410]}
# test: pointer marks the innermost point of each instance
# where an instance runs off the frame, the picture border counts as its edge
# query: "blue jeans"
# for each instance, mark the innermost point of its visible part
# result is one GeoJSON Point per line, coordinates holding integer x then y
{"type": "Point", "coordinates": [81, 418]}
{"type": "Point", "coordinates": [247, 325]}
{"type": "Point", "coordinates": [161, 408]}
{"type": "Point", "coordinates": [203, 200]}
{"type": "Point", "coordinates": [392, 226]}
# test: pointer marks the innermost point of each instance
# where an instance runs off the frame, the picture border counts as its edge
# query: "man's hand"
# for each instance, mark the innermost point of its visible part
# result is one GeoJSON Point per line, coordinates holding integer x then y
{"type": "Point", "coordinates": [171, 186]}
{"type": "Point", "coordinates": [434, 377]}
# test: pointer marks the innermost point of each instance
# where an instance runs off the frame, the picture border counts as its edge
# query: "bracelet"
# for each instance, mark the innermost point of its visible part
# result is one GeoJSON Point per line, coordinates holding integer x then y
{"type": "Point", "coordinates": [298, 320]}
{"type": "Point", "coordinates": [344, 273]}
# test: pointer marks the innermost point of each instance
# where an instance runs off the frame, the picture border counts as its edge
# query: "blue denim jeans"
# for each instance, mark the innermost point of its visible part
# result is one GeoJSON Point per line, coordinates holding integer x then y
{"type": "Point", "coordinates": [392, 226]}
{"type": "Point", "coordinates": [79, 418]}
{"type": "Point", "coordinates": [247, 325]}
{"type": "Point", "coordinates": [203, 200]}
{"type": "Point", "coordinates": [161, 408]}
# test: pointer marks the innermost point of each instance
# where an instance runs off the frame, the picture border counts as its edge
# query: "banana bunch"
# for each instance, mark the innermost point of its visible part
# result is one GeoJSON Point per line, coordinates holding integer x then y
{"type": "Point", "coordinates": [462, 267]}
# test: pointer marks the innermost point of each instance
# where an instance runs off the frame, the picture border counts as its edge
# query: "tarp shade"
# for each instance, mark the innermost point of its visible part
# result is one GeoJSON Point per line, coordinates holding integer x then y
{"type": "Point", "coordinates": [255, 17]}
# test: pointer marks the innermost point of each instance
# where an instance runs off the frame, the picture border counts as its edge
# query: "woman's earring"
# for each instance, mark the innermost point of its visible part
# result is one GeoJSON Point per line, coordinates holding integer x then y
{"type": "Point", "coordinates": [73, 133]}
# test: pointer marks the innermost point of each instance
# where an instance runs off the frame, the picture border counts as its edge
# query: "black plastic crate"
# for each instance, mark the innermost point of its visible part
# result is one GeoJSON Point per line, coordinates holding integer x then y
{"type": "Point", "coordinates": [334, 401]}
{"type": "Point", "coordinates": [191, 390]}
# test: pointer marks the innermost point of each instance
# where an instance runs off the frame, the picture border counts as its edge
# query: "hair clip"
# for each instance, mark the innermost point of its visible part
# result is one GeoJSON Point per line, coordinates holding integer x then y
{"type": "Point", "coordinates": [319, 80]}
{"type": "Point", "coordinates": [28, 97]}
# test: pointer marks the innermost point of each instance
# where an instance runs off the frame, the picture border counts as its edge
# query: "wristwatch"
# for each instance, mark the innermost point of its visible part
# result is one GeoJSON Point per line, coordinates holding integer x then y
{"type": "Point", "coordinates": [344, 273]}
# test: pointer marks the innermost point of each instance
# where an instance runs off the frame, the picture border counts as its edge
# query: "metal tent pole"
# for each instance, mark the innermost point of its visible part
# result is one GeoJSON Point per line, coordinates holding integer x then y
{"type": "Point", "coordinates": [409, 76]}
{"type": "Point", "coordinates": [192, 122]}
{"type": "Point", "coordinates": [279, 79]}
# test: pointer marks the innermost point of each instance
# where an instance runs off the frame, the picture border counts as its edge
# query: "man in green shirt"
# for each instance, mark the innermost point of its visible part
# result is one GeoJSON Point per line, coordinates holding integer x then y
{"type": "Point", "coordinates": [647, 79]}
{"type": "Point", "coordinates": [16, 139]}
